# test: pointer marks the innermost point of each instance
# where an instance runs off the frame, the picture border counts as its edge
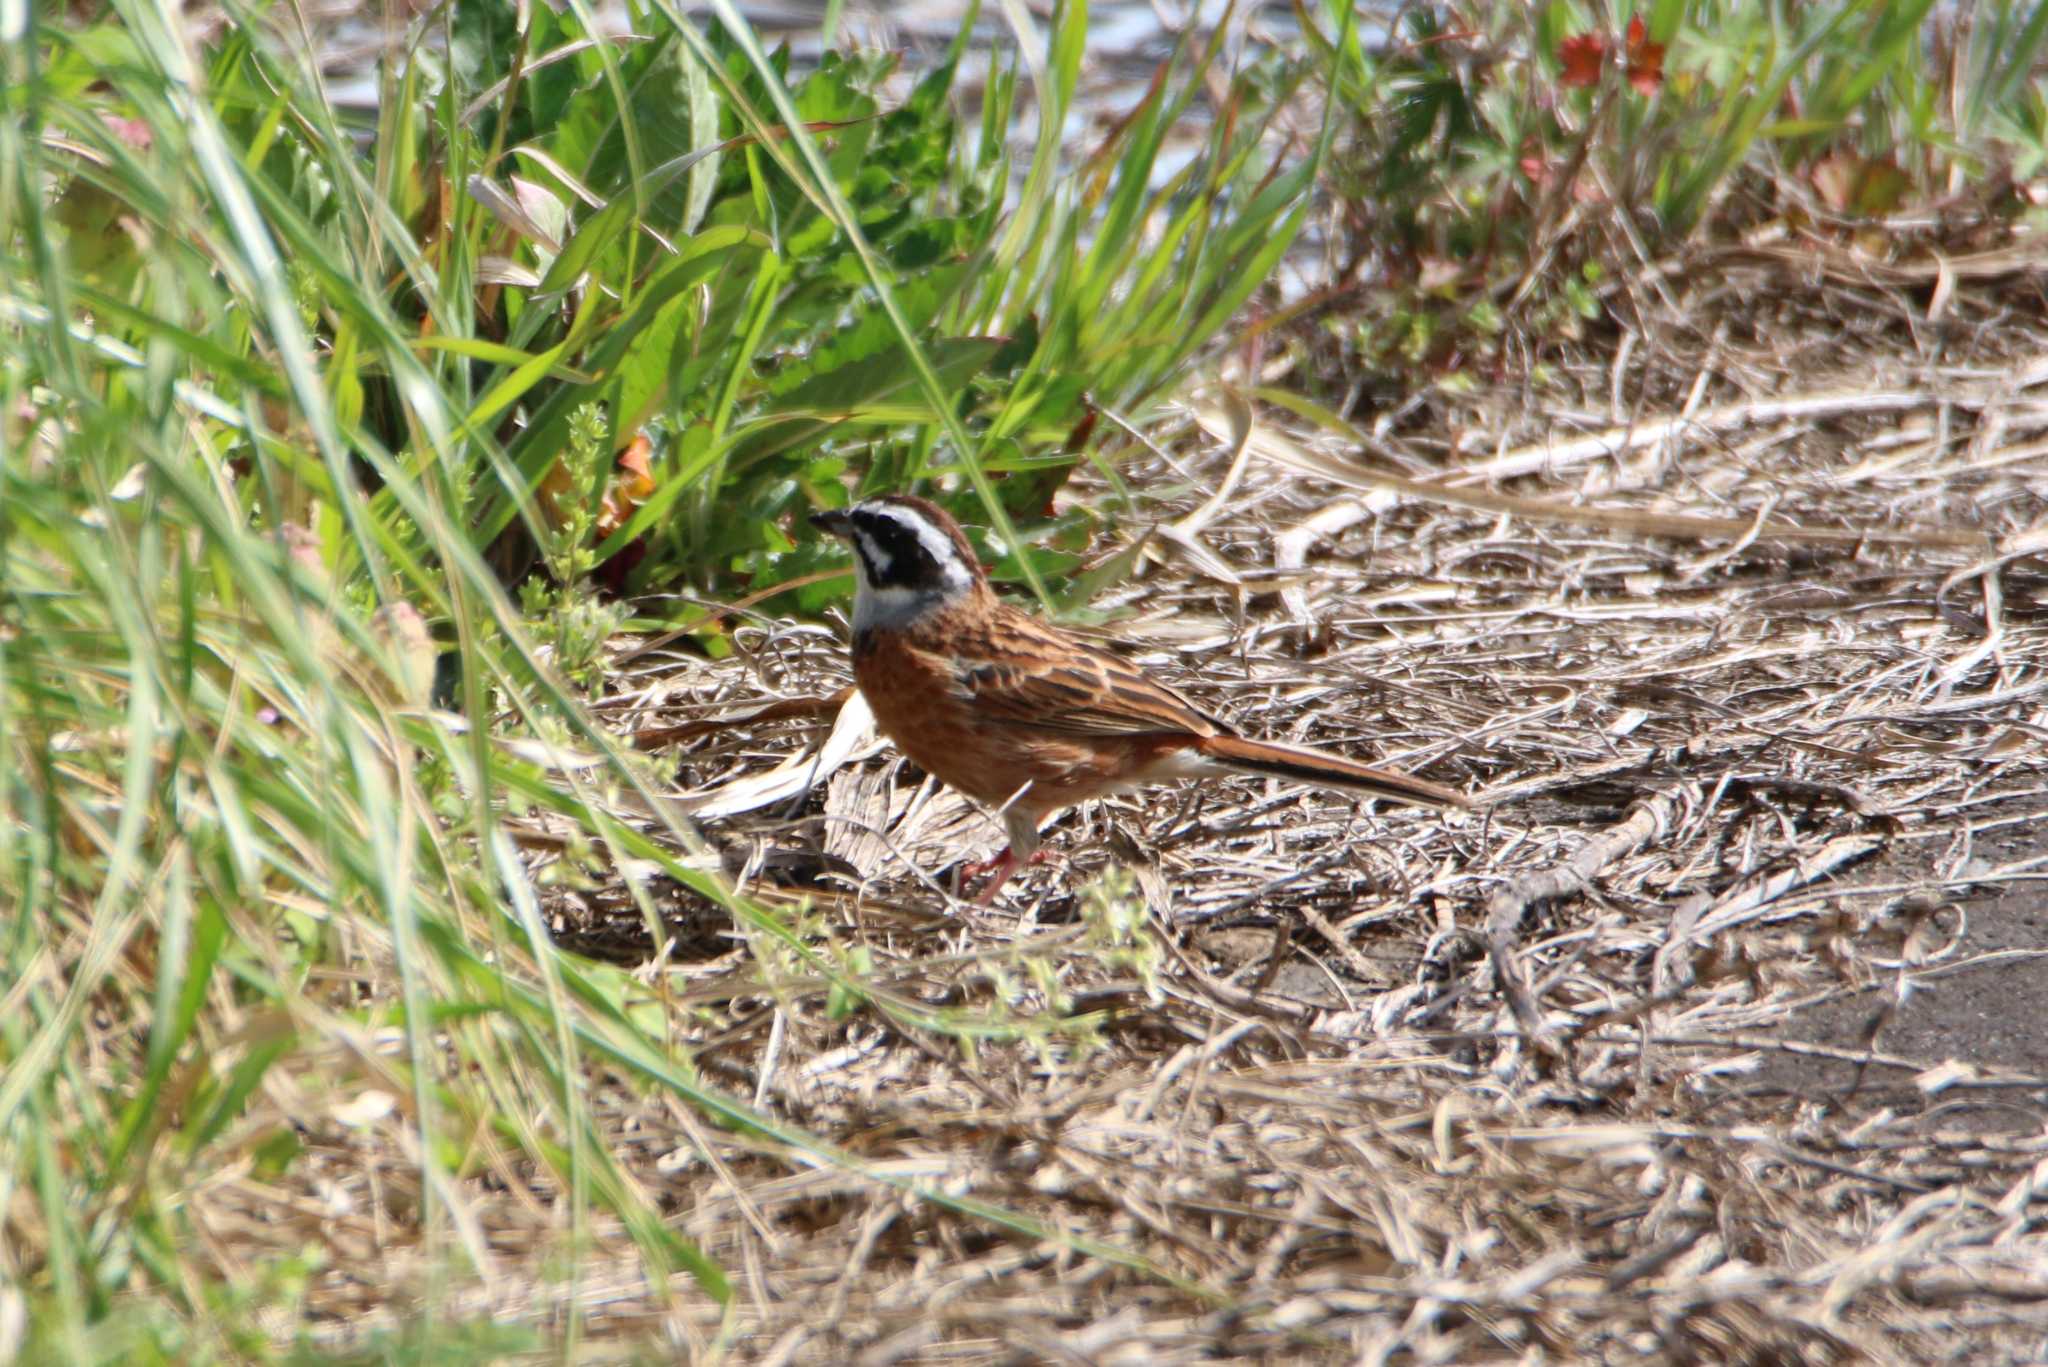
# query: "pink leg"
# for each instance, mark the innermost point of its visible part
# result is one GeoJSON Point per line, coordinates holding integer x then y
{"type": "Point", "coordinates": [1022, 824]}
{"type": "Point", "coordinates": [1000, 868]}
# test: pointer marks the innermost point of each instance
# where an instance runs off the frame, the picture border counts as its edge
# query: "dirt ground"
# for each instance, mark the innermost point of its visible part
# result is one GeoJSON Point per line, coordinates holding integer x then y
{"type": "Point", "coordinates": [1721, 1034]}
{"type": "Point", "coordinates": [1990, 1009]}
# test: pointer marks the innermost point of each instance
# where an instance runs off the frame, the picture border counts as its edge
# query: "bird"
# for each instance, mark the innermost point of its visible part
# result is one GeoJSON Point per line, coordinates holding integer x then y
{"type": "Point", "coordinates": [1021, 715]}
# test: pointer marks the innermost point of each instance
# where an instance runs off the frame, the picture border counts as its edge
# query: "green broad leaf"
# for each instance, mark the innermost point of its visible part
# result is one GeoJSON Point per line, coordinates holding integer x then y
{"type": "Point", "coordinates": [494, 353]}
{"type": "Point", "coordinates": [1780, 129]}
{"type": "Point", "coordinates": [877, 388]}
{"type": "Point", "coordinates": [1050, 565]}
{"type": "Point", "coordinates": [1106, 574]}
{"type": "Point", "coordinates": [594, 235]}
{"type": "Point", "coordinates": [715, 253]}
{"type": "Point", "coordinates": [872, 335]}
{"type": "Point", "coordinates": [509, 391]}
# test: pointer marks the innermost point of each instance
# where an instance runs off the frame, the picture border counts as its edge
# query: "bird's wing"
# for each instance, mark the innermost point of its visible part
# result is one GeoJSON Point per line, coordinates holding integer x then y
{"type": "Point", "coordinates": [1036, 676]}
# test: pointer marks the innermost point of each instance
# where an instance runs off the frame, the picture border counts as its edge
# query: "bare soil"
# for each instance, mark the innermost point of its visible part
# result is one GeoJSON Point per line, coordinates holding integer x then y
{"type": "Point", "coordinates": [1989, 1008]}
{"type": "Point", "coordinates": [1721, 1035]}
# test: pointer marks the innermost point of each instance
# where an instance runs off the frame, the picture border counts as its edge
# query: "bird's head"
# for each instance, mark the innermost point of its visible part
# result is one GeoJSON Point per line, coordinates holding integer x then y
{"type": "Point", "coordinates": [909, 557]}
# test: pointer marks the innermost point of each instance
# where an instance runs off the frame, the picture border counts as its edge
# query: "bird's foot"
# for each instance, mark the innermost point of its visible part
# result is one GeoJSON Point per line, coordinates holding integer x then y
{"type": "Point", "coordinates": [999, 870]}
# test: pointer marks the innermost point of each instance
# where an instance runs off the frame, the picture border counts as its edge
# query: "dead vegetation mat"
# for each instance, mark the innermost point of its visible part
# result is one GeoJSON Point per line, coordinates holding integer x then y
{"type": "Point", "coordinates": [1719, 1034]}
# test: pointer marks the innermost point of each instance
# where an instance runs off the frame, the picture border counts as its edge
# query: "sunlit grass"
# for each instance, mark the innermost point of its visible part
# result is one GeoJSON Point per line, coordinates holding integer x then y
{"type": "Point", "coordinates": [292, 407]}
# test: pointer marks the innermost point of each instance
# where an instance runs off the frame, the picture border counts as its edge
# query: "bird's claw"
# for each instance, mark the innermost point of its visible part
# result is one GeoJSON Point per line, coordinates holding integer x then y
{"type": "Point", "coordinates": [999, 868]}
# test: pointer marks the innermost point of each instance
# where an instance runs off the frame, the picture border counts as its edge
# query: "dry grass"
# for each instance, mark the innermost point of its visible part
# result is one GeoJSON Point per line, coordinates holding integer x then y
{"type": "Point", "coordinates": [1547, 1082]}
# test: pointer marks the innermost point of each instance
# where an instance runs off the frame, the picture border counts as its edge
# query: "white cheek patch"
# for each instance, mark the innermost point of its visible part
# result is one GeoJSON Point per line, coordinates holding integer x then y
{"type": "Point", "coordinates": [873, 559]}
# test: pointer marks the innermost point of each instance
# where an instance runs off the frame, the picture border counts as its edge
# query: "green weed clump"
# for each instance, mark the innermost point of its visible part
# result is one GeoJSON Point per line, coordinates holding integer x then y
{"type": "Point", "coordinates": [1498, 164]}
{"type": "Point", "coordinates": [333, 451]}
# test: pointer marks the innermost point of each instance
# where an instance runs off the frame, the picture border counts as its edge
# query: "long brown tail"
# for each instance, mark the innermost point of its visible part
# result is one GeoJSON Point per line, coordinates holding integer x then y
{"type": "Point", "coordinates": [1328, 771]}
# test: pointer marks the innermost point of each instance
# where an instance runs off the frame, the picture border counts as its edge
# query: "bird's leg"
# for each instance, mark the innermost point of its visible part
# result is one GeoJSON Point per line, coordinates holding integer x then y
{"type": "Point", "coordinates": [1022, 849]}
{"type": "Point", "coordinates": [1001, 867]}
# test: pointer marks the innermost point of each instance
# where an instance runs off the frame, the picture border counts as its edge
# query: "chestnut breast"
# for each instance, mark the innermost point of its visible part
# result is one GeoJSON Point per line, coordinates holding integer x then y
{"type": "Point", "coordinates": [913, 680]}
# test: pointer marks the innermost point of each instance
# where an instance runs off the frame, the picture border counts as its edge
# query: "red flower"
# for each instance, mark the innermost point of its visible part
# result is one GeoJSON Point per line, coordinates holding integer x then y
{"type": "Point", "coordinates": [1645, 59]}
{"type": "Point", "coordinates": [1581, 57]}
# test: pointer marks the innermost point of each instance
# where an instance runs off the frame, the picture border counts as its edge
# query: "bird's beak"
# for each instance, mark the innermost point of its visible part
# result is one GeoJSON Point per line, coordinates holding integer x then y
{"type": "Point", "coordinates": [834, 521]}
